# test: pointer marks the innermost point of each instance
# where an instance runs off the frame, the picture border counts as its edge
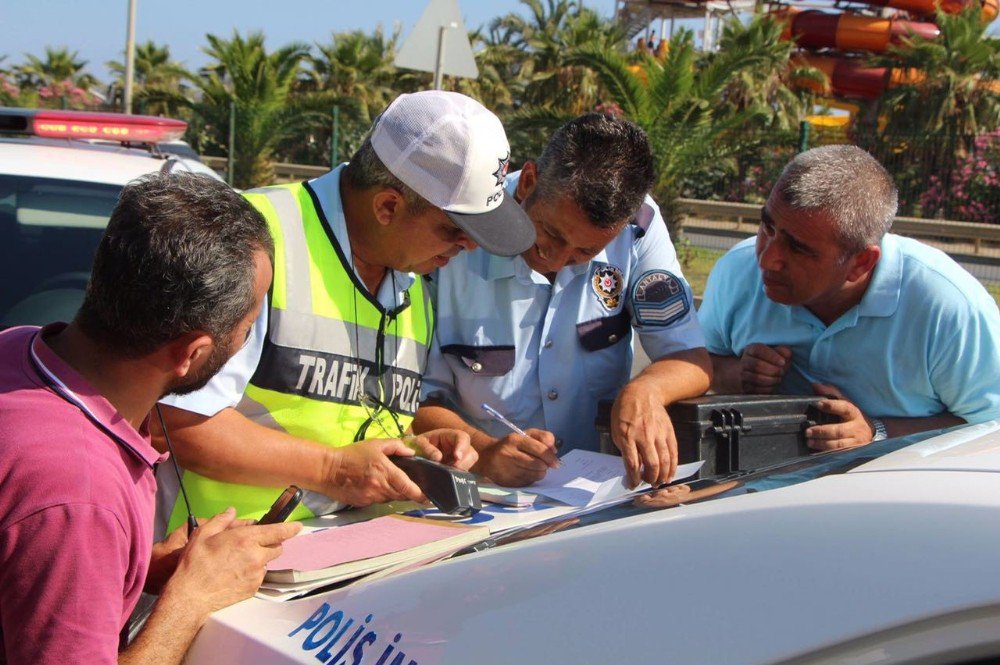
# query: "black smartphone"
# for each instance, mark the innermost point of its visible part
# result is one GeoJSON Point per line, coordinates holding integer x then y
{"type": "Point", "coordinates": [283, 507]}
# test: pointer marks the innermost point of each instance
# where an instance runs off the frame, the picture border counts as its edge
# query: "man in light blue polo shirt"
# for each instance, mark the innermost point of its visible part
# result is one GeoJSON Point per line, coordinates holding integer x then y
{"type": "Point", "coordinates": [542, 337]}
{"type": "Point", "coordinates": [825, 301]}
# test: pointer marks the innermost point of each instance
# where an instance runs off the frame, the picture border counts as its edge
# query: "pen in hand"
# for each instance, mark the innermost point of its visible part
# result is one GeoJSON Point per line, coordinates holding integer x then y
{"type": "Point", "coordinates": [497, 416]}
{"type": "Point", "coordinates": [500, 418]}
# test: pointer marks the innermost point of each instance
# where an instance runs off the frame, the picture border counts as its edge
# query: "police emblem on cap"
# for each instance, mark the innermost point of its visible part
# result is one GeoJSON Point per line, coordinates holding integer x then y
{"type": "Point", "coordinates": [659, 298]}
{"type": "Point", "coordinates": [501, 173]}
{"type": "Point", "coordinates": [607, 284]}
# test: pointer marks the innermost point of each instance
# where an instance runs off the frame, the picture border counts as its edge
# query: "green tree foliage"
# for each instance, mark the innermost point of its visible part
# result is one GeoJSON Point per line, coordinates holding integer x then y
{"type": "Point", "coordinates": [262, 85]}
{"type": "Point", "coordinates": [678, 101]}
{"type": "Point", "coordinates": [59, 79]}
{"type": "Point", "coordinates": [161, 85]}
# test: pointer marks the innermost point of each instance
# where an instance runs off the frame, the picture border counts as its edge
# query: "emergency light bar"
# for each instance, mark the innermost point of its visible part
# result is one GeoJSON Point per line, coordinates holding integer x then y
{"type": "Point", "coordinates": [116, 127]}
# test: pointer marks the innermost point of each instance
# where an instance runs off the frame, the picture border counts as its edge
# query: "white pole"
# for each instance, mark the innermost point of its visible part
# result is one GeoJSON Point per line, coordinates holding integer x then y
{"type": "Point", "coordinates": [438, 73]}
{"type": "Point", "coordinates": [129, 56]}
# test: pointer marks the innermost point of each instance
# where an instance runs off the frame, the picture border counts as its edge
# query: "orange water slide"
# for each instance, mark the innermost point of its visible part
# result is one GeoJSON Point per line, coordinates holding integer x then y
{"type": "Point", "coordinates": [850, 32]}
{"type": "Point", "coordinates": [927, 7]}
{"type": "Point", "coordinates": [850, 78]}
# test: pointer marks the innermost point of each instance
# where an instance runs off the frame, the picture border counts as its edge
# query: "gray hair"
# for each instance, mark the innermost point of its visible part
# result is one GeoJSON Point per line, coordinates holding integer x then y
{"type": "Point", "coordinates": [846, 183]}
{"type": "Point", "coordinates": [602, 162]}
{"type": "Point", "coordinates": [366, 170]}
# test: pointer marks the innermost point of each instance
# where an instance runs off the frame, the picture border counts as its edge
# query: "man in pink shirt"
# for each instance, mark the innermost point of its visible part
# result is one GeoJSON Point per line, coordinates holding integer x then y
{"type": "Point", "coordinates": [178, 280]}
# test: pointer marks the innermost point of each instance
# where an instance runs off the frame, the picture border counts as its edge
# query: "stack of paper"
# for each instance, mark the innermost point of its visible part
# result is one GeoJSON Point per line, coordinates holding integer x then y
{"type": "Point", "coordinates": [325, 556]}
{"type": "Point", "coordinates": [586, 478]}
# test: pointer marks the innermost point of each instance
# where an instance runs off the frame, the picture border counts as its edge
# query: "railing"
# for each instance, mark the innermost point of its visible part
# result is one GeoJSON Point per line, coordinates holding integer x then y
{"type": "Point", "coordinates": [747, 216]}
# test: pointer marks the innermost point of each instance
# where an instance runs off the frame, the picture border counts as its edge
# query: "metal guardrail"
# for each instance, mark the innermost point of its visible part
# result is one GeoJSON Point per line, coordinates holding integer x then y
{"type": "Point", "coordinates": [283, 172]}
{"type": "Point", "coordinates": [747, 215]}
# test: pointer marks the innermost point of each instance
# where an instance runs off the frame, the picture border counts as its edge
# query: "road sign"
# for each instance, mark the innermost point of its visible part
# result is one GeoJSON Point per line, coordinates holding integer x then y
{"type": "Point", "coordinates": [439, 43]}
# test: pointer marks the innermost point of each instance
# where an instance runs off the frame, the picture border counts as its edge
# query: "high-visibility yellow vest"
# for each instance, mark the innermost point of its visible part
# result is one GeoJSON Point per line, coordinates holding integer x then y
{"type": "Point", "coordinates": [336, 366]}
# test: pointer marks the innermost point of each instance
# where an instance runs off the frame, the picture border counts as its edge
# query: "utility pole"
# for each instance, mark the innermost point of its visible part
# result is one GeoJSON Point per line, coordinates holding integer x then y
{"type": "Point", "coordinates": [129, 56]}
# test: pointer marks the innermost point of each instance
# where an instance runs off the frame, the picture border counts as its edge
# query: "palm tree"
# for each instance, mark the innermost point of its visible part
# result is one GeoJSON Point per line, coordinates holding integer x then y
{"type": "Point", "coordinates": [545, 39]}
{"type": "Point", "coordinates": [58, 79]}
{"type": "Point", "coordinates": [678, 102]}
{"type": "Point", "coordinates": [160, 82]}
{"type": "Point", "coordinates": [931, 123]}
{"type": "Point", "coordinates": [358, 66]}
{"type": "Point", "coordinates": [262, 87]}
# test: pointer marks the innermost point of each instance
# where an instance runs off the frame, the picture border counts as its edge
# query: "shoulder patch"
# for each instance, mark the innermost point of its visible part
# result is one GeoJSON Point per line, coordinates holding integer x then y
{"type": "Point", "coordinates": [608, 283]}
{"type": "Point", "coordinates": [659, 298]}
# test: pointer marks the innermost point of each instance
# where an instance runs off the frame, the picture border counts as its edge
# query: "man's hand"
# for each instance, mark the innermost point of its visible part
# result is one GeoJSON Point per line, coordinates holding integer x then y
{"type": "Point", "coordinates": [518, 461]}
{"type": "Point", "coordinates": [762, 367]}
{"type": "Point", "coordinates": [448, 446]}
{"type": "Point", "coordinates": [853, 429]}
{"type": "Point", "coordinates": [223, 564]}
{"type": "Point", "coordinates": [642, 431]}
{"type": "Point", "coordinates": [364, 474]}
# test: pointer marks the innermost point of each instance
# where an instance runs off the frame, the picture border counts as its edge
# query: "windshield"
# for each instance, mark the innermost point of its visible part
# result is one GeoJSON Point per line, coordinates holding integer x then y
{"type": "Point", "coordinates": [49, 230]}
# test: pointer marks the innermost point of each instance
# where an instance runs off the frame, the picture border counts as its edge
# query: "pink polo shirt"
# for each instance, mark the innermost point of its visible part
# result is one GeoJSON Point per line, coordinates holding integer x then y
{"type": "Point", "coordinates": [76, 510]}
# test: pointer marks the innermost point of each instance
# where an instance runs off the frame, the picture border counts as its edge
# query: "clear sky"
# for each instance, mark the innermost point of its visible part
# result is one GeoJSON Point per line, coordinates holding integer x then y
{"type": "Point", "coordinates": [96, 28]}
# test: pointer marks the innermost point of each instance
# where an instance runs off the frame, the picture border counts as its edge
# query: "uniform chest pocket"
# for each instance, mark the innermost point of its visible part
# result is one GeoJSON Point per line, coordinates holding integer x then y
{"type": "Point", "coordinates": [606, 353]}
{"type": "Point", "coordinates": [482, 360]}
{"type": "Point", "coordinates": [601, 333]}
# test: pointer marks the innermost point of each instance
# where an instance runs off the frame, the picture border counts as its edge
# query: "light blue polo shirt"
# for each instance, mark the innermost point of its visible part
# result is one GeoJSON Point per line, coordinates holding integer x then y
{"type": "Point", "coordinates": [924, 339]}
{"type": "Point", "coordinates": [544, 354]}
{"type": "Point", "coordinates": [226, 388]}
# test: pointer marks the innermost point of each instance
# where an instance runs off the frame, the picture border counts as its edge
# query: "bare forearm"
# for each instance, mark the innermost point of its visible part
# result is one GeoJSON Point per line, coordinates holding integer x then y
{"type": "Point", "coordinates": [726, 375]}
{"type": "Point", "coordinates": [167, 635]}
{"type": "Point", "coordinates": [675, 377]}
{"type": "Point", "coordinates": [432, 415]}
{"type": "Point", "coordinates": [231, 448]}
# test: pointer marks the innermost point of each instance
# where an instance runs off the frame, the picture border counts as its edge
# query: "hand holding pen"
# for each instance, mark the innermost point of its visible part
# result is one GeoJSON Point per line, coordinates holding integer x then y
{"type": "Point", "coordinates": [520, 458]}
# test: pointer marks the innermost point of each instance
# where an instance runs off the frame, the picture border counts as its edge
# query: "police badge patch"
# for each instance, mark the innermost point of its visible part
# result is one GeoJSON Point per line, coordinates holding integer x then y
{"type": "Point", "coordinates": [607, 282]}
{"type": "Point", "coordinates": [659, 298]}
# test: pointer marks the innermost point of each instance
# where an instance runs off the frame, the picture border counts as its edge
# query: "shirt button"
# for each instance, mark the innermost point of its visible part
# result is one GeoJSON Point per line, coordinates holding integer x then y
{"type": "Point", "coordinates": [612, 338]}
{"type": "Point", "coordinates": [553, 394]}
{"type": "Point", "coordinates": [548, 344]}
{"type": "Point", "coordinates": [559, 443]}
{"type": "Point", "coordinates": [477, 367]}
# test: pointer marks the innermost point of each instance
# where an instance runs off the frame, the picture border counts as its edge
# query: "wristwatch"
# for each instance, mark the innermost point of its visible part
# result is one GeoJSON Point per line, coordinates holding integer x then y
{"type": "Point", "coordinates": [878, 429]}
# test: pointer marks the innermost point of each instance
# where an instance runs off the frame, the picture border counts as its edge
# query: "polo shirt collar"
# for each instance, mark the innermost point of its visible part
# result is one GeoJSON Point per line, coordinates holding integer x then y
{"type": "Point", "coordinates": [883, 293]}
{"type": "Point", "coordinates": [70, 385]}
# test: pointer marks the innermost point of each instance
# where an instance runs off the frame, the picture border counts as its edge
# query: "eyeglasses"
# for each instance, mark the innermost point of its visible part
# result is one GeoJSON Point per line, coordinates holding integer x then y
{"type": "Point", "coordinates": [381, 416]}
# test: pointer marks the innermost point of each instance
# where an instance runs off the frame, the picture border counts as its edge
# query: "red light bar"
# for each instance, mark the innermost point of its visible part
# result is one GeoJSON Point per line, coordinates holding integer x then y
{"type": "Point", "coordinates": [107, 127]}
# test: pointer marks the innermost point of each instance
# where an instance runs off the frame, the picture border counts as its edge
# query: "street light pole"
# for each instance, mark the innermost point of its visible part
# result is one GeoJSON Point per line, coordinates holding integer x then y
{"type": "Point", "coordinates": [129, 56]}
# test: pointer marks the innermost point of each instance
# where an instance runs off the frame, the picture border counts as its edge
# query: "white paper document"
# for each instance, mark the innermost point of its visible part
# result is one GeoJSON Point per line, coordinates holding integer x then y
{"type": "Point", "coordinates": [588, 478]}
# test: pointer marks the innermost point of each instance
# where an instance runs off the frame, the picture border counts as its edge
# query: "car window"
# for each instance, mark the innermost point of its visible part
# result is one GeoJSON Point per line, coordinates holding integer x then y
{"type": "Point", "coordinates": [49, 230]}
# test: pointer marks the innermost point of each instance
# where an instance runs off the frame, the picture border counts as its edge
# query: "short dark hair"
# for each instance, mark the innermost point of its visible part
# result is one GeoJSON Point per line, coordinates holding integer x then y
{"type": "Point", "coordinates": [366, 170]}
{"type": "Point", "coordinates": [177, 256]}
{"type": "Point", "coordinates": [602, 162]}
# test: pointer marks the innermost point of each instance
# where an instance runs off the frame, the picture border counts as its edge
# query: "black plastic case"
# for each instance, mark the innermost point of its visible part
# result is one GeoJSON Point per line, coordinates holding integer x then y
{"type": "Point", "coordinates": [735, 433]}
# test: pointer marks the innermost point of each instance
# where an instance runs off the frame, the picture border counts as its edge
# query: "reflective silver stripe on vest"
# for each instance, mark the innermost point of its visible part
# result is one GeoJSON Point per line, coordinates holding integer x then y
{"type": "Point", "coordinates": [297, 330]}
{"type": "Point", "coordinates": [298, 289]}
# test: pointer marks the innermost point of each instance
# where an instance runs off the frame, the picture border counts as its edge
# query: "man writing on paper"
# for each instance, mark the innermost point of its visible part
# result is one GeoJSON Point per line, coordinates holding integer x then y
{"type": "Point", "coordinates": [178, 278]}
{"type": "Point", "coordinates": [826, 301]}
{"type": "Point", "coordinates": [330, 377]}
{"type": "Point", "coordinates": [544, 336]}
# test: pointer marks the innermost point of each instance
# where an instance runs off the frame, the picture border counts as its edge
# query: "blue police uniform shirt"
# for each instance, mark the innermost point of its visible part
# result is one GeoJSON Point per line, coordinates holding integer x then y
{"type": "Point", "coordinates": [226, 388]}
{"type": "Point", "coordinates": [544, 354]}
{"type": "Point", "coordinates": [923, 339]}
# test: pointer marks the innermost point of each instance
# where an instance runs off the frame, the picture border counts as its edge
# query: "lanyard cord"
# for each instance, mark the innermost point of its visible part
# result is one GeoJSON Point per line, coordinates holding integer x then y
{"type": "Point", "coordinates": [192, 522]}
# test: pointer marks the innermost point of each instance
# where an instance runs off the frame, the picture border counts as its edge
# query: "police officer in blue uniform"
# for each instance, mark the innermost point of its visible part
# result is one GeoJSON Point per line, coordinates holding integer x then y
{"type": "Point", "coordinates": [544, 336]}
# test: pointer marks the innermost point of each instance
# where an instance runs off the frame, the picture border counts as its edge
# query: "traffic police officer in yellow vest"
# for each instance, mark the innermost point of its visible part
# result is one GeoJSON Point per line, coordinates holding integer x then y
{"type": "Point", "coordinates": [329, 379]}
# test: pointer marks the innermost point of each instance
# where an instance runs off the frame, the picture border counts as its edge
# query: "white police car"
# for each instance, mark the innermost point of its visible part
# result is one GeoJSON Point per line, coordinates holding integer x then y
{"type": "Point", "coordinates": [60, 175]}
{"type": "Point", "coordinates": [882, 554]}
